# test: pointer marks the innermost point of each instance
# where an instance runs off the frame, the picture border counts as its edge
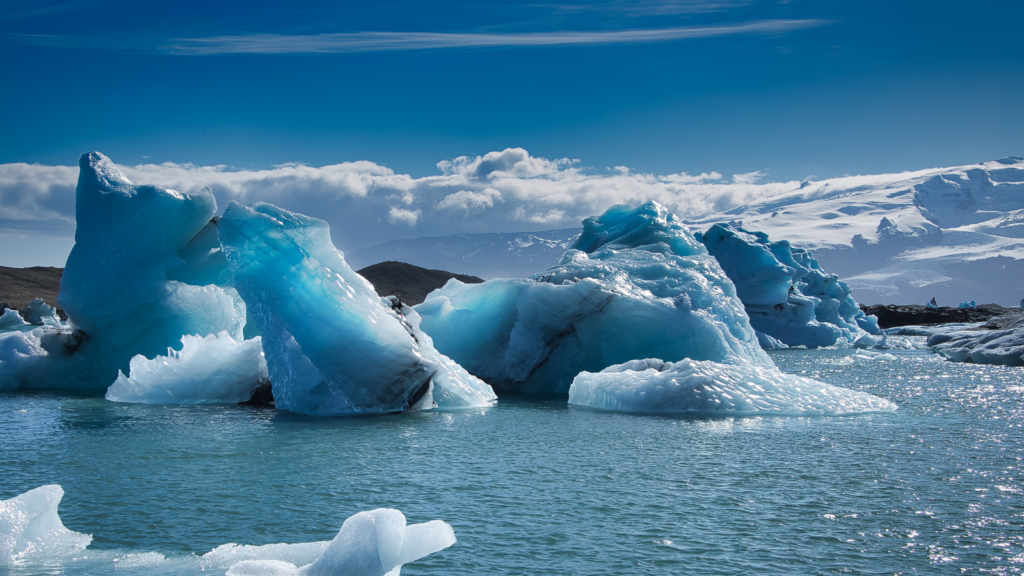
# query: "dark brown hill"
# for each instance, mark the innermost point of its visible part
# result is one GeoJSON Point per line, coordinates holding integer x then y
{"type": "Point", "coordinates": [410, 283]}
{"type": "Point", "coordinates": [18, 286]}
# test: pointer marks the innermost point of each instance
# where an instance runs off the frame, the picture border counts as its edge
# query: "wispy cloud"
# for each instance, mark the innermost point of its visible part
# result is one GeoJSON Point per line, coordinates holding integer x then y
{"type": "Point", "coordinates": [652, 7]}
{"type": "Point", "coordinates": [403, 41]}
{"type": "Point", "coordinates": [40, 11]}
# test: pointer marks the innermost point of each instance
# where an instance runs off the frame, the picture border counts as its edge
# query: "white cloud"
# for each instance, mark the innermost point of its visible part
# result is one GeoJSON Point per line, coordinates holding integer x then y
{"type": "Point", "coordinates": [748, 178]}
{"type": "Point", "coordinates": [401, 215]}
{"type": "Point", "coordinates": [366, 203]}
{"type": "Point", "coordinates": [402, 41]}
{"type": "Point", "coordinates": [468, 201]}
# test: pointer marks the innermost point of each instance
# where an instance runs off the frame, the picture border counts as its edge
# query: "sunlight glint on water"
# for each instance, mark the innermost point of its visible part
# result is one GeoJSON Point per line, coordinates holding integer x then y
{"type": "Point", "coordinates": [532, 486]}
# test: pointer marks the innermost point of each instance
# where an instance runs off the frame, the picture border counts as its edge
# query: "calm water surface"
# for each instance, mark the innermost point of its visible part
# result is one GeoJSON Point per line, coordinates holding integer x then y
{"type": "Point", "coordinates": [532, 486]}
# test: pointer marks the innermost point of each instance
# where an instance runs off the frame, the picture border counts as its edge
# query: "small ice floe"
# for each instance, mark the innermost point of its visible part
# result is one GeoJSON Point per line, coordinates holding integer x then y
{"type": "Point", "coordinates": [374, 543]}
{"type": "Point", "coordinates": [31, 529]}
{"type": "Point", "coordinates": [705, 387]}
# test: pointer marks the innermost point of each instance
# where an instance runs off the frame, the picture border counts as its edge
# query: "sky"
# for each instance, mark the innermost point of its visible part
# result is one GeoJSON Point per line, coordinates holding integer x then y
{"type": "Point", "coordinates": [393, 119]}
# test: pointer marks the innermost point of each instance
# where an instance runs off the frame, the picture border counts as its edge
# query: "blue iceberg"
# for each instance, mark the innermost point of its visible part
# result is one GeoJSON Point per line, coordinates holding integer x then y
{"type": "Point", "coordinates": [635, 284]}
{"type": "Point", "coordinates": [791, 301]}
{"type": "Point", "coordinates": [135, 283]}
{"type": "Point", "coordinates": [332, 345]}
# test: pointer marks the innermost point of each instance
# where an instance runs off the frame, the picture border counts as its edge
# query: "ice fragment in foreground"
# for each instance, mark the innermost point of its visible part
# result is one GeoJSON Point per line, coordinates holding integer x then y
{"type": "Point", "coordinates": [211, 369]}
{"type": "Point", "coordinates": [332, 345]}
{"type": "Point", "coordinates": [691, 386]}
{"type": "Point", "coordinates": [30, 527]}
{"type": "Point", "coordinates": [371, 543]}
{"type": "Point", "coordinates": [634, 284]}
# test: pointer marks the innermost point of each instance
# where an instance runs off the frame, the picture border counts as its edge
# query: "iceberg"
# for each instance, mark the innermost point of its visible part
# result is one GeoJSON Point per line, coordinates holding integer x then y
{"type": "Point", "coordinates": [30, 527]}
{"type": "Point", "coordinates": [36, 310]}
{"type": "Point", "coordinates": [634, 284]}
{"type": "Point", "coordinates": [702, 387]}
{"type": "Point", "coordinates": [137, 280]}
{"type": "Point", "coordinates": [332, 345]}
{"type": "Point", "coordinates": [789, 298]}
{"type": "Point", "coordinates": [373, 543]}
{"type": "Point", "coordinates": [208, 369]}
{"type": "Point", "coordinates": [1005, 347]}
{"type": "Point", "coordinates": [11, 320]}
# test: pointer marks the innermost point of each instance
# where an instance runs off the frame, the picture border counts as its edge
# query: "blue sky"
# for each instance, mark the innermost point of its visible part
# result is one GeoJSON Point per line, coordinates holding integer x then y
{"type": "Point", "coordinates": [843, 87]}
{"type": "Point", "coordinates": [788, 89]}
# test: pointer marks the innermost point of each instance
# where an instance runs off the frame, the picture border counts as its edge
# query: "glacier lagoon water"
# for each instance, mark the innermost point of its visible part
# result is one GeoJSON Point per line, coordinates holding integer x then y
{"type": "Point", "coordinates": [533, 486]}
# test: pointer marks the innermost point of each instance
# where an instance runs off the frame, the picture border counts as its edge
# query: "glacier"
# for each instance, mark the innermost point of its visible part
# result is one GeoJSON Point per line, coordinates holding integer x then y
{"type": "Point", "coordinates": [699, 387]}
{"type": "Point", "coordinates": [332, 345]}
{"type": "Point", "coordinates": [634, 284]}
{"type": "Point", "coordinates": [789, 298]}
{"type": "Point", "coordinates": [30, 528]}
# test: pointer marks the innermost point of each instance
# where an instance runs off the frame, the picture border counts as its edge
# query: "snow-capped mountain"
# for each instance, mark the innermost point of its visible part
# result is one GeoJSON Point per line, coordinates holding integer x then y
{"type": "Point", "coordinates": [495, 255]}
{"type": "Point", "coordinates": [949, 233]}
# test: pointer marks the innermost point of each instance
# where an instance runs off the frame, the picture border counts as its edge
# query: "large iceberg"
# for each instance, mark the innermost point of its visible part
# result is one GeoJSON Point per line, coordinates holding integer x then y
{"type": "Point", "coordinates": [789, 298]}
{"type": "Point", "coordinates": [30, 527]}
{"type": "Point", "coordinates": [373, 543]}
{"type": "Point", "coordinates": [635, 284]}
{"type": "Point", "coordinates": [143, 273]}
{"type": "Point", "coordinates": [691, 386]}
{"type": "Point", "coordinates": [332, 345]}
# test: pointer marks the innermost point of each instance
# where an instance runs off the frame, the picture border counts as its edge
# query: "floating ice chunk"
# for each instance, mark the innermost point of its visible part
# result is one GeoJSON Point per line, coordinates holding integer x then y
{"type": "Point", "coordinates": [11, 320]}
{"type": "Point", "coordinates": [374, 543]}
{"type": "Point", "coordinates": [784, 290]}
{"type": "Point", "coordinates": [36, 310]}
{"type": "Point", "coordinates": [332, 345]}
{"type": "Point", "coordinates": [30, 527]}
{"type": "Point", "coordinates": [703, 387]}
{"type": "Point", "coordinates": [1005, 347]}
{"type": "Point", "coordinates": [635, 283]}
{"type": "Point", "coordinates": [968, 304]}
{"type": "Point", "coordinates": [211, 369]}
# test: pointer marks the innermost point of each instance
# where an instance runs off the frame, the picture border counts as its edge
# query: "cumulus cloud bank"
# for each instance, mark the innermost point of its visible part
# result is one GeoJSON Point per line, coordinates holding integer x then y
{"type": "Point", "coordinates": [366, 203]}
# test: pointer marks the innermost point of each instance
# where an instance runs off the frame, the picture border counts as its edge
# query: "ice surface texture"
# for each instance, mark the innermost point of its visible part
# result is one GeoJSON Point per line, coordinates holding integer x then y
{"type": "Point", "coordinates": [1004, 347]}
{"type": "Point", "coordinates": [371, 543]}
{"type": "Point", "coordinates": [30, 527]}
{"type": "Point", "coordinates": [211, 369]}
{"type": "Point", "coordinates": [634, 284]}
{"type": "Point", "coordinates": [332, 345]}
{"type": "Point", "coordinates": [701, 387]}
{"type": "Point", "coordinates": [787, 295]}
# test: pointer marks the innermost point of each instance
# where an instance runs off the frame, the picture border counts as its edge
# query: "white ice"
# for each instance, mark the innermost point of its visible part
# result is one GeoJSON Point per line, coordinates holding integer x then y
{"type": "Point", "coordinates": [332, 345]}
{"type": "Point", "coordinates": [634, 284]}
{"type": "Point", "coordinates": [1004, 347]}
{"type": "Point", "coordinates": [31, 529]}
{"type": "Point", "coordinates": [208, 369]}
{"type": "Point", "coordinates": [703, 387]}
{"type": "Point", "coordinates": [373, 543]}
